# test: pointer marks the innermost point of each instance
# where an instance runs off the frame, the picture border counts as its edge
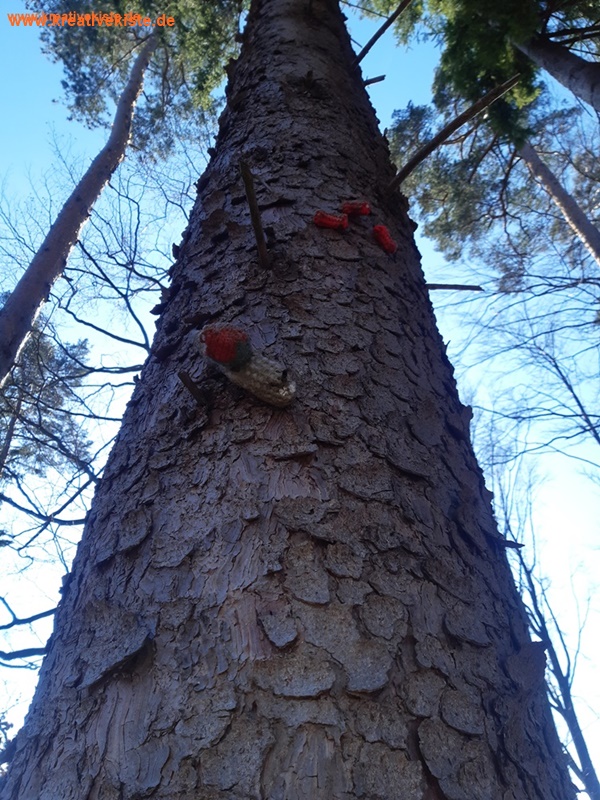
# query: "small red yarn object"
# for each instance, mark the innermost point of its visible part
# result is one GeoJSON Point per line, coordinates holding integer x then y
{"type": "Point", "coordinates": [336, 221]}
{"type": "Point", "coordinates": [356, 208]}
{"type": "Point", "coordinates": [222, 342]}
{"type": "Point", "coordinates": [384, 239]}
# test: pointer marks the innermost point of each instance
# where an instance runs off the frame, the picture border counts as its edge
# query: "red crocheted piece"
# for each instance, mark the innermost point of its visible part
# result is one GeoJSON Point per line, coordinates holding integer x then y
{"type": "Point", "coordinates": [222, 342]}
{"type": "Point", "coordinates": [384, 239]}
{"type": "Point", "coordinates": [356, 208]}
{"type": "Point", "coordinates": [336, 221]}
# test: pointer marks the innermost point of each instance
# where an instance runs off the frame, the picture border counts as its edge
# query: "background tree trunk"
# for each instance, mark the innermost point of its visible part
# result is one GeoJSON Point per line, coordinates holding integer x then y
{"type": "Point", "coordinates": [31, 292]}
{"type": "Point", "coordinates": [9, 432]}
{"type": "Point", "coordinates": [576, 218]}
{"type": "Point", "coordinates": [575, 73]}
{"type": "Point", "coordinates": [309, 603]}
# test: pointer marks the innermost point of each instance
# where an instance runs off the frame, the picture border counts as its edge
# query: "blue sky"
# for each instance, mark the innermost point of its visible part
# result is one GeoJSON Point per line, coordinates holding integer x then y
{"type": "Point", "coordinates": [33, 122]}
{"type": "Point", "coordinates": [31, 89]}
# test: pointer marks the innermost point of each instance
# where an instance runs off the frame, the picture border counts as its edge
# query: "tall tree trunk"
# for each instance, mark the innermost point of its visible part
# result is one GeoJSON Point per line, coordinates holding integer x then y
{"type": "Point", "coordinates": [309, 602]}
{"type": "Point", "coordinates": [11, 426]}
{"type": "Point", "coordinates": [576, 74]}
{"type": "Point", "coordinates": [31, 292]}
{"type": "Point", "coordinates": [577, 219]}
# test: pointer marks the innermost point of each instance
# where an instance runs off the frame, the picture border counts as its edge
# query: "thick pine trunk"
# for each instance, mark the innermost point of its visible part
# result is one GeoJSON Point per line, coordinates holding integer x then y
{"type": "Point", "coordinates": [575, 73]}
{"type": "Point", "coordinates": [31, 292]}
{"type": "Point", "coordinates": [576, 218]}
{"type": "Point", "coordinates": [307, 603]}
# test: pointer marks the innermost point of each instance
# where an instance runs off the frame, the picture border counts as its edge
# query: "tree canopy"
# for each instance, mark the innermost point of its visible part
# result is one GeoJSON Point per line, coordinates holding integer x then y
{"type": "Point", "coordinates": [187, 65]}
{"type": "Point", "coordinates": [483, 45]}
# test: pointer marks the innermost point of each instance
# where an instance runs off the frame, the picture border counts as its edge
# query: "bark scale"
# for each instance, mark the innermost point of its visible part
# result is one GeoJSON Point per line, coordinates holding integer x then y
{"type": "Point", "coordinates": [575, 73]}
{"type": "Point", "coordinates": [27, 299]}
{"type": "Point", "coordinates": [574, 215]}
{"type": "Point", "coordinates": [308, 603]}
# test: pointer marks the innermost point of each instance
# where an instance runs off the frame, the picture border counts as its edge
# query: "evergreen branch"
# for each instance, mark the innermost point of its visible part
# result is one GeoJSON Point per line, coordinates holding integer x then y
{"type": "Point", "coordinates": [447, 131]}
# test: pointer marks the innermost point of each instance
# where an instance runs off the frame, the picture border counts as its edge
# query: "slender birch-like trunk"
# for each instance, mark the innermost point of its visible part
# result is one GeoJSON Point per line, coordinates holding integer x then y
{"type": "Point", "coordinates": [10, 432]}
{"type": "Point", "coordinates": [31, 292]}
{"type": "Point", "coordinates": [575, 73]}
{"type": "Point", "coordinates": [577, 219]}
{"type": "Point", "coordinates": [300, 603]}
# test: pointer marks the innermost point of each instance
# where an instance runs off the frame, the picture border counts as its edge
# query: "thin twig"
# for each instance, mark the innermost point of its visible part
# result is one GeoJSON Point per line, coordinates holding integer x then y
{"type": "Point", "coordinates": [483, 103]}
{"type": "Point", "coordinates": [199, 395]}
{"type": "Point", "coordinates": [263, 256]}
{"type": "Point", "coordinates": [458, 287]}
{"type": "Point", "coordinates": [369, 81]}
{"type": "Point", "coordinates": [379, 33]}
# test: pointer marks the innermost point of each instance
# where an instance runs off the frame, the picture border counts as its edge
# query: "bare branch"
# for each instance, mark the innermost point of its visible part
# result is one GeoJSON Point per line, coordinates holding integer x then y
{"type": "Point", "coordinates": [380, 31]}
{"type": "Point", "coordinates": [447, 131]}
{"type": "Point", "coordinates": [458, 287]}
{"type": "Point", "coordinates": [27, 653]}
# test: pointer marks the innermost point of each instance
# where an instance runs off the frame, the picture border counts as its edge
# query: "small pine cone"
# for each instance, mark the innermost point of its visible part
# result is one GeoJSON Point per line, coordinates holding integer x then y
{"type": "Point", "coordinates": [265, 380]}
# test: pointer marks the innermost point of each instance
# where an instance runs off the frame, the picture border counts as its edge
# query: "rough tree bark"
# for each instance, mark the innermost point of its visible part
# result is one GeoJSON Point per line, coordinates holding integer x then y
{"type": "Point", "coordinates": [575, 73]}
{"type": "Point", "coordinates": [31, 292]}
{"type": "Point", "coordinates": [307, 603]}
{"type": "Point", "coordinates": [576, 218]}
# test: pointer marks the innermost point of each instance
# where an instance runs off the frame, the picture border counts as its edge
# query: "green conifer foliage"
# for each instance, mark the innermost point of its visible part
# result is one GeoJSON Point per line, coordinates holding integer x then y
{"type": "Point", "coordinates": [186, 67]}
